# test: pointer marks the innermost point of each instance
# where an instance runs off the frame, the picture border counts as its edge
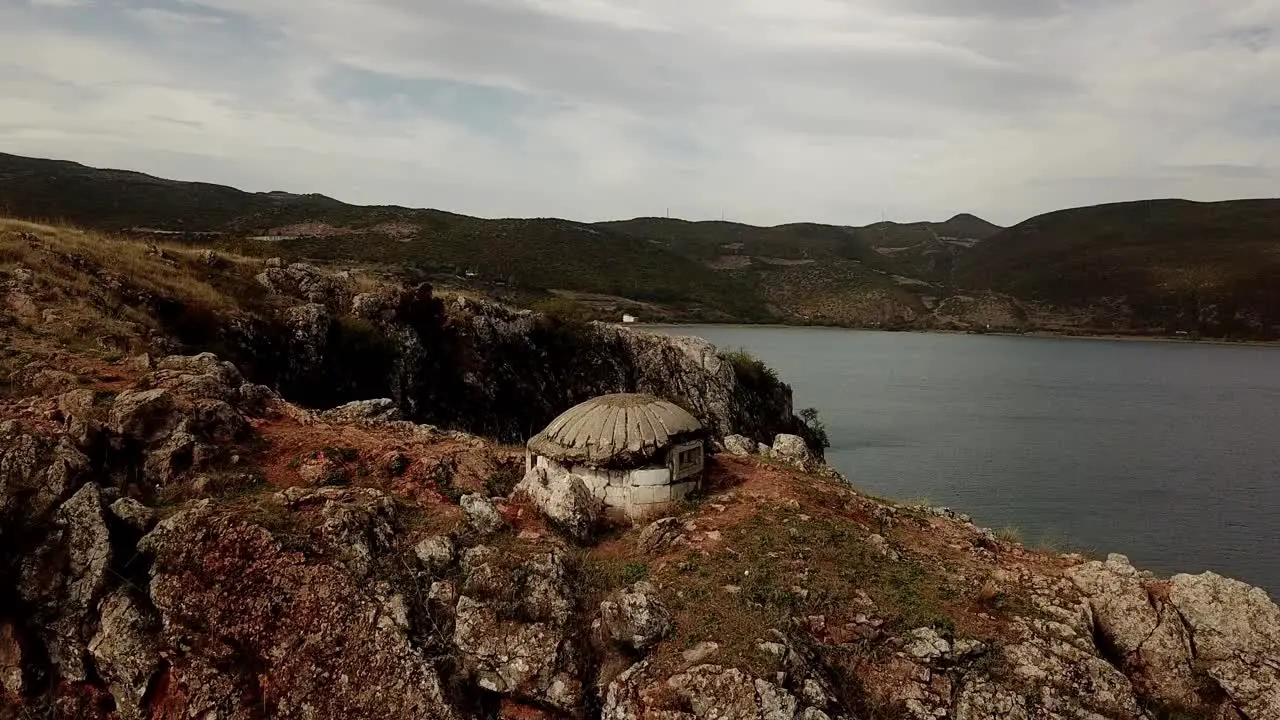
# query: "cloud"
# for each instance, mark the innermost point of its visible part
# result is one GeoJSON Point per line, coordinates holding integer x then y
{"type": "Point", "coordinates": [826, 110]}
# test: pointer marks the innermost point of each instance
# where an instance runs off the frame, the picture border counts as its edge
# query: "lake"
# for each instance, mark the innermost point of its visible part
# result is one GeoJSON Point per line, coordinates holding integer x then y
{"type": "Point", "coordinates": [1166, 452]}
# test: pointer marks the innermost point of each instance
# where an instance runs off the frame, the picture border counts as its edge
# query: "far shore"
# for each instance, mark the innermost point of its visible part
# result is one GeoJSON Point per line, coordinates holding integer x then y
{"type": "Point", "coordinates": [1035, 334]}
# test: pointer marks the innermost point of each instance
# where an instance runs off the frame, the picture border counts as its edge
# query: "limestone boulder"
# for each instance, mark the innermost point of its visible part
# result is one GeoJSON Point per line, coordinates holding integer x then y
{"type": "Point", "coordinates": [565, 501]}
{"type": "Point", "coordinates": [739, 445]}
{"type": "Point", "coordinates": [205, 376]}
{"type": "Point", "coordinates": [37, 473]}
{"type": "Point", "coordinates": [145, 415]}
{"type": "Point", "coordinates": [337, 644]}
{"type": "Point", "coordinates": [307, 282]}
{"type": "Point", "coordinates": [517, 659]}
{"type": "Point", "coordinates": [1143, 628]}
{"type": "Point", "coordinates": [435, 553]}
{"type": "Point", "coordinates": [483, 517]}
{"type": "Point", "coordinates": [516, 637]}
{"type": "Point", "coordinates": [1052, 671]}
{"type": "Point", "coordinates": [125, 651]}
{"type": "Point", "coordinates": [792, 450]}
{"type": "Point", "coordinates": [1235, 629]}
{"type": "Point", "coordinates": [137, 516]}
{"type": "Point", "coordinates": [63, 579]}
{"type": "Point", "coordinates": [636, 617]}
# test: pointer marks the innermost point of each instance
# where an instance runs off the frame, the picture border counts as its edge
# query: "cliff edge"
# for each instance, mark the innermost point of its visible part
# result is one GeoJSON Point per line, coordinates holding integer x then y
{"type": "Point", "coordinates": [180, 539]}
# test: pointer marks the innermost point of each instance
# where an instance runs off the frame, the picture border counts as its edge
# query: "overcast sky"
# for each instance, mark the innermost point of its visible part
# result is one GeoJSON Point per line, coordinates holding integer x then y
{"type": "Point", "coordinates": [769, 111]}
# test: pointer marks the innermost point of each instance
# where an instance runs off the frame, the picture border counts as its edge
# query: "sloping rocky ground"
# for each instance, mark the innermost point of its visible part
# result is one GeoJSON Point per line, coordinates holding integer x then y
{"type": "Point", "coordinates": [179, 541]}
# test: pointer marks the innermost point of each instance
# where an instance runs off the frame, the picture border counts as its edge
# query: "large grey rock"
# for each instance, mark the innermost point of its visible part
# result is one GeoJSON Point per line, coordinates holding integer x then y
{"type": "Point", "coordinates": [435, 553]}
{"type": "Point", "coordinates": [125, 651]}
{"type": "Point", "coordinates": [711, 691]}
{"type": "Point", "coordinates": [1051, 672]}
{"type": "Point", "coordinates": [510, 658]}
{"type": "Point", "coordinates": [482, 516]}
{"type": "Point", "coordinates": [206, 377]}
{"type": "Point", "coordinates": [926, 645]}
{"type": "Point", "coordinates": [636, 617]}
{"type": "Point", "coordinates": [145, 415]}
{"type": "Point", "coordinates": [1145, 629]}
{"type": "Point", "coordinates": [338, 644]}
{"type": "Point", "coordinates": [1235, 629]}
{"type": "Point", "coordinates": [564, 499]}
{"type": "Point", "coordinates": [793, 450]}
{"type": "Point", "coordinates": [36, 473]}
{"type": "Point", "coordinates": [64, 578]}
{"type": "Point", "coordinates": [739, 445]}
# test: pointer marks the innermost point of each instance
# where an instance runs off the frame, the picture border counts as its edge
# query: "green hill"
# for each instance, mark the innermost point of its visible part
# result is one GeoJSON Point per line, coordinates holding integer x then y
{"type": "Point", "coordinates": [1154, 267]}
{"type": "Point", "coordinates": [1169, 265]}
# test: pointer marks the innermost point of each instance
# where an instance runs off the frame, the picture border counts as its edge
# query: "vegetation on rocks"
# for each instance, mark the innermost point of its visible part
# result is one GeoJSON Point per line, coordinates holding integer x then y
{"type": "Point", "coordinates": [180, 540]}
{"type": "Point", "coordinates": [1147, 268]}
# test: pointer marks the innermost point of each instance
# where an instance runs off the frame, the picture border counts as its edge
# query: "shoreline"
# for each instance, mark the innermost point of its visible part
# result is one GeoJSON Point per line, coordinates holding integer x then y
{"type": "Point", "coordinates": [1041, 334]}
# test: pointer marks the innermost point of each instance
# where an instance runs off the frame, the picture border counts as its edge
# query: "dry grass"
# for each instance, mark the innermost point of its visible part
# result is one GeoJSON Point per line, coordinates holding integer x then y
{"type": "Point", "coordinates": [100, 292]}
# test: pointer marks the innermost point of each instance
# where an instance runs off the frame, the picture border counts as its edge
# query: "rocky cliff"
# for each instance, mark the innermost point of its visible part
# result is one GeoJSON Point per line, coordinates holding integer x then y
{"type": "Point", "coordinates": [180, 540]}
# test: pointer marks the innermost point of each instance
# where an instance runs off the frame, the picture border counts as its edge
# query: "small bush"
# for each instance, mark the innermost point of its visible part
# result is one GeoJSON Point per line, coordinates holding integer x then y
{"type": "Point", "coordinates": [1009, 534]}
{"type": "Point", "coordinates": [634, 572]}
{"type": "Point", "coordinates": [749, 369]}
{"type": "Point", "coordinates": [817, 428]}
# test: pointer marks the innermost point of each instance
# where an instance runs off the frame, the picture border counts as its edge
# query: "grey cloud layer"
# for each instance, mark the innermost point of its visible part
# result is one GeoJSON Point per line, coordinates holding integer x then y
{"type": "Point", "coordinates": [828, 110]}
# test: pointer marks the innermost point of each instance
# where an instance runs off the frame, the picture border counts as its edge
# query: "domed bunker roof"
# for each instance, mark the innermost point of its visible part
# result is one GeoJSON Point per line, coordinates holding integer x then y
{"type": "Point", "coordinates": [615, 430]}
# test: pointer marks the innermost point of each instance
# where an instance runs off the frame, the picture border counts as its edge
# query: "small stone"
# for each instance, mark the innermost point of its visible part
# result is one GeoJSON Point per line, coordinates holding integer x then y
{"type": "Point", "coordinates": [659, 535]}
{"type": "Point", "coordinates": [700, 652]}
{"type": "Point", "coordinates": [777, 650]}
{"type": "Point", "coordinates": [134, 514]}
{"type": "Point", "coordinates": [482, 516]}
{"type": "Point", "coordinates": [435, 553]}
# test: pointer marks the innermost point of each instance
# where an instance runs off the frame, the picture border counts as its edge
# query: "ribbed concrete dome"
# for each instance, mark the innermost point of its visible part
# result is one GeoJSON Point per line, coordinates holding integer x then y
{"type": "Point", "coordinates": [615, 430]}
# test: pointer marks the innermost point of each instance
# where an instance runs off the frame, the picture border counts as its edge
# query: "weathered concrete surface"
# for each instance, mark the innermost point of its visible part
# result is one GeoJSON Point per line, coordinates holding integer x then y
{"type": "Point", "coordinates": [624, 428]}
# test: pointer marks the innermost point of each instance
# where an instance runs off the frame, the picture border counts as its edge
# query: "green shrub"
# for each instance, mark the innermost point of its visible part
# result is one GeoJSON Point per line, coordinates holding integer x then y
{"type": "Point", "coordinates": [749, 369]}
{"type": "Point", "coordinates": [817, 428]}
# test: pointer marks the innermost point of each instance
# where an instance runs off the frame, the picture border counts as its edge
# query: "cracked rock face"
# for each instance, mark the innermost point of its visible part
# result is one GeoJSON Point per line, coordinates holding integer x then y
{"type": "Point", "coordinates": [482, 516]}
{"type": "Point", "coordinates": [1141, 628]}
{"type": "Point", "coordinates": [524, 650]}
{"type": "Point", "coordinates": [1235, 630]}
{"type": "Point", "coordinates": [636, 617]}
{"type": "Point", "coordinates": [125, 651]}
{"type": "Point", "coordinates": [564, 499]}
{"type": "Point", "coordinates": [64, 579]}
{"type": "Point", "coordinates": [335, 644]}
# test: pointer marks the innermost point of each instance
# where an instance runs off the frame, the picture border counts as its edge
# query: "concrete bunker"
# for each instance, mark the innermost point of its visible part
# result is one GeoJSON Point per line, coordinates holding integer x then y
{"type": "Point", "coordinates": [634, 452]}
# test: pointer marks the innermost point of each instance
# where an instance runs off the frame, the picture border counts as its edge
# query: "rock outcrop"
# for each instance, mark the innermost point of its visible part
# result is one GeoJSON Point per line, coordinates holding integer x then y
{"type": "Point", "coordinates": [636, 617]}
{"type": "Point", "coordinates": [564, 499]}
{"type": "Point", "coordinates": [165, 553]}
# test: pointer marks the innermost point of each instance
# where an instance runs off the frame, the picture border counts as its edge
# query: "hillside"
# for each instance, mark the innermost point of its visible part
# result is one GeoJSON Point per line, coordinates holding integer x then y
{"type": "Point", "coordinates": [182, 536]}
{"type": "Point", "coordinates": [1159, 265]}
{"type": "Point", "coordinates": [1151, 268]}
{"type": "Point", "coordinates": [660, 269]}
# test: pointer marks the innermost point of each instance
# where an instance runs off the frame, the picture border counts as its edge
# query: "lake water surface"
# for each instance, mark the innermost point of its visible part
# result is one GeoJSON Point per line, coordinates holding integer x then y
{"type": "Point", "coordinates": [1166, 452]}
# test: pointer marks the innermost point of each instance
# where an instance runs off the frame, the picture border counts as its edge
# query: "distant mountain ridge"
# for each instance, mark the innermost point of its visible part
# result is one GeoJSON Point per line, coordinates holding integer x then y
{"type": "Point", "coordinates": [1153, 267]}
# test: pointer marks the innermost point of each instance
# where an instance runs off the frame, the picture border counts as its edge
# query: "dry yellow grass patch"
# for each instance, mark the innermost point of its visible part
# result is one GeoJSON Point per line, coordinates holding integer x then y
{"type": "Point", "coordinates": [94, 290]}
